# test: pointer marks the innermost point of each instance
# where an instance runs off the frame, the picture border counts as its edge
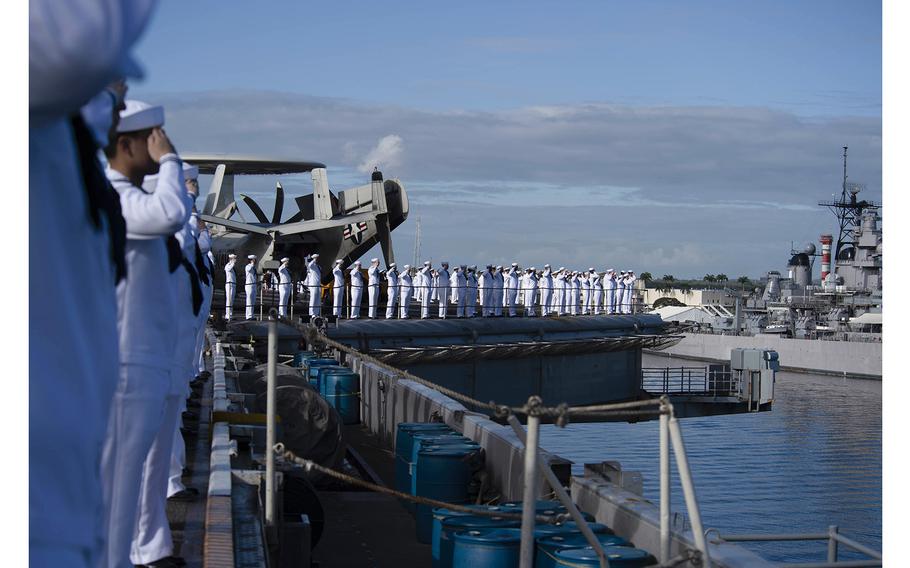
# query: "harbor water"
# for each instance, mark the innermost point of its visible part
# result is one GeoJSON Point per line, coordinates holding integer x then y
{"type": "Point", "coordinates": [814, 460]}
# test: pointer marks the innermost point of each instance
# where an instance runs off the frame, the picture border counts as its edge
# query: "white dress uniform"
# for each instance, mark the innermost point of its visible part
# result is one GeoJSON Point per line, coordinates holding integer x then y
{"type": "Point", "coordinates": [546, 291]}
{"type": "Point", "coordinates": [205, 246]}
{"type": "Point", "coordinates": [597, 293]}
{"type": "Point", "coordinates": [405, 284]}
{"type": "Point", "coordinates": [559, 288]}
{"type": "Point", "coordinates": [314, 283]}
{"type": "Point", "coordinates": [620, 292]}
{"type": "Point", "coordinates": [392, 290]}
{"type": "Point", "coordinates": [146, 398]}
{"type": "Point", "coordinates": [471, 297]}
{"type": "Point", "coordinates": [337, 290]}
{"type": "Point", "coordinates": [530, 286]}
{"type": "Point", "coordinates": [511, 285]}
{"type": "Point", "coordinates": [356, 290]}
{"type": "Point", "coordinates": [630, 288]}
{"type": "Point", "coordinates": [486, 293]}
{"type": "Point", "coordinates": [610, 291]}
{"type": "Point", "coordinates": [585, 293]}
{"type": "Point", "coordinates": [250, 286]}
{"type": "Point", "coordinates": [443, 285]}
{"type": "Point", "coordinates": [424, 284]}
{"type": "Point", "coordinates": [499, 290]}
{"type": "Point", "coordinates": [459, 283]}
{"type": "Point", "coordinates": [373, 288]}
{"type": "Point", "coordinates": [73, 353]}
{"type": "Point", "coordinates": [572, 294]}
{"type": "Point", "coordinates": [230, 288]}
{"type": "Point", "coordinates": [284, 288]}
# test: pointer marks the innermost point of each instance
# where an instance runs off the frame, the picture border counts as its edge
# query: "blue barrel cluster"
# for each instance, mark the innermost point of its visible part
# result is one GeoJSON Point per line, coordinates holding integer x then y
{"type": "Point", "coordinates": [336, 383]}
{"type": "Point", "coordinates": [462, 540]}
{"type": "Point", "coordinates": [432, 460]}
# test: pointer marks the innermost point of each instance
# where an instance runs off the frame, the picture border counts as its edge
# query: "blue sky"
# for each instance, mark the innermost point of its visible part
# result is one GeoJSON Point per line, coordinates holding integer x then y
{"type": "Point", "coordinates": [672, 137]}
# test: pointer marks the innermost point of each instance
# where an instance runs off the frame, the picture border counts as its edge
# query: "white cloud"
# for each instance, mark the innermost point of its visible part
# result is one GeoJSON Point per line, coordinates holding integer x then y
{"type": "Point", "coordinates": [385, 155]}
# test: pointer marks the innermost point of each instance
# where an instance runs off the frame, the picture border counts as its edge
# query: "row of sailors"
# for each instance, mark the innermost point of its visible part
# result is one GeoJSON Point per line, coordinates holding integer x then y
{"type": "Point", "coordinates": [560, 291]}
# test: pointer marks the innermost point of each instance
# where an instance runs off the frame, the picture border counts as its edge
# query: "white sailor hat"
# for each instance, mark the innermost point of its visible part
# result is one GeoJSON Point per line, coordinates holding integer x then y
{"type": "Point", "coordinates": [610, 270]}
{"type": "Point", "coordinates": [392, 265]}
{"type": "Point", "coordinates": [314, 255]}
{"type": "Point", "coordinates": [591, 269]}
{"type": "Point", "coordinates": [190, 171]}
{"type": "Point", "coordinates": [374, 260]}
{"type": "Point", "coordinates": [406, 266]}
{"type": "Point", "coordinates": [285, 259]}
{"type": "Point", "coordinates": [251, 256]}
{"type": "Point", "coordinates": [546, 266]}
{"type": "Point", "coordinates": [426, 262]}
{"type": "Point", "coordinates": [561, 268]}
{"type": "Point", "coordinates": [338, 261]}
{"type": "Point", "coordinates": [514, 264]}
{"type": "Point", "coordinates": [232, 255]}
{"type": "Point", "coordinates": [357, 262]}
{"type": "Point", "coordinates": [139, 116]}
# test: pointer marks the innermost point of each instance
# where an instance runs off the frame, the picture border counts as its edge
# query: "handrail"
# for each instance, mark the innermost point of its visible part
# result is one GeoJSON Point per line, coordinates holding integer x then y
{"type": "Point", "coordinates": [833, 537]}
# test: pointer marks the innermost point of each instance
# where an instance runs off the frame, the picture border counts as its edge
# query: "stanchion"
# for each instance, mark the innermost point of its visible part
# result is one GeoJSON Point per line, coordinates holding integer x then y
{"type": "Point", "coordinates": [270, 420]}
{"type": "Point", "coordinates": [529, 503]}
{"type": "Point", "coordinates": [664, 484]}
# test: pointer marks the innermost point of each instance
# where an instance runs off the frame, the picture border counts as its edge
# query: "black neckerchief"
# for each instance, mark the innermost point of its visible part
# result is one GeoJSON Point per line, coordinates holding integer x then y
{"type": "Point", "coordinates": [101, 196]}
{"type": "Point", "coordinates": [201, 269]}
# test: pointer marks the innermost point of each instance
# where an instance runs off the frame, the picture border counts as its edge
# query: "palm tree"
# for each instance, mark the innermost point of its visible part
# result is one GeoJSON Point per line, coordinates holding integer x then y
{"type": "Point", "coordinates": [668, 278]}
{"type": "Point", "coordinates": [744, 280]}
{"type": "Point", "coordinates": [710, 278]}
{"type": "Point", "coordinates": [721, 277]}
{"type": "Point", "coordinates": [646, 276]}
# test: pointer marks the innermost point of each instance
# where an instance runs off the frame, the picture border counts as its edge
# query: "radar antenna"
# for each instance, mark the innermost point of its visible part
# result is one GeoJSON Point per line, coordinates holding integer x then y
{"type": "Point", "coordinates": [849, 212]}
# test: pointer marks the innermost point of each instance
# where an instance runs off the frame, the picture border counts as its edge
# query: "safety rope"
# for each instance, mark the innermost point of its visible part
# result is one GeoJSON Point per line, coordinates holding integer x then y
{"type": "Point", "coordinates": [309, 465]}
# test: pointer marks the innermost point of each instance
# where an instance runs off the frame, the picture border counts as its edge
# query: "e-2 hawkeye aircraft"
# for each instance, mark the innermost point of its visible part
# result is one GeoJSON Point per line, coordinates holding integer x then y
{"type": "Point", "coordinates": [342, 226]}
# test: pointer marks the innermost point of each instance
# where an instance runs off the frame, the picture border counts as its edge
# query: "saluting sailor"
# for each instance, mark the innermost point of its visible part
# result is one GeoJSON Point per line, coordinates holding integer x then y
{"type": "Point", "coordinates": [530, 287]}
{"type": "Point", "coordinates": [442, 289]}
{"type": "Point", "coordinates": [337, 288]}
{"type": "Point", "coordinates": [356, 289]}
{"type": "Point", "coordinates": [511, 284]}
{"type": "Point", "coordinates": [546, 291]}
{"type": "Point", "coordinates": [597, 291]}
{"type": "Point", "coordinates": [392, 290]}
{"type": "Point", "coordinates": [486, 291]}
{"type": "Point", "coordinates": [230, 286]}
{"type": "Point", "coordinates": [471, 298]}
{"type": "Point", "coordinates": [373, 286]}
{"type": "Point", "coordinates": [459, 284]}
{"type": "Point", "coordinates": [146, 398]}
{"type": "Point", "coordinates": [284, 287]}
{"type": "Point", "coordinates": [405, 282]}
{"type": "Point", "coordinates": [314, 283]}
{"type": "Point", "coordinates": [424, 285]}
{"type": "Point", "coordinates": [250, 285]}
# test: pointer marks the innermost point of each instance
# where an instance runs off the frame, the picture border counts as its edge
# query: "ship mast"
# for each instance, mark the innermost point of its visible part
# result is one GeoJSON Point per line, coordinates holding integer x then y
{"type": "Point", "coordinates": [849, 212]}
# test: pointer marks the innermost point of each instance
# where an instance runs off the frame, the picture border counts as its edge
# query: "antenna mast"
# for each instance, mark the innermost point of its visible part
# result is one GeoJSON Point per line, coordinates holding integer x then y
{"type": "Point", "coordinates": [849, 213]}
{"type": "Point", "coordinates": [417, 244]}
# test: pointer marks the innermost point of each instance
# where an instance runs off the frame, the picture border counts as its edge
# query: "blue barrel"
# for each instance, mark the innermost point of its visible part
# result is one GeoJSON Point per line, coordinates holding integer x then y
{"type": "Point", "coordinates": [496, 548]}
{"type": "Point", "coordinates": [404, 440]}
{"type": "Point", "coordinates": [421, 440]}
{"type": "Point", "coordinates": [541, 507]}
{"type": "Point", "coordinates": [342, 391]}
{"type": "Point", "coordinates": [316, 373]}
{"type": "Point", "coordinates": [570, 527]}
{"type": "Point", "coordinates": [440, 514]}
{"type": "Point", "coordinates": [453, 525]}
{"type": "Point", "coordinates": [547, 546]}
{"type": "Point", "coordinates": [442, 473]}
{"type": "Point", "coordinates": [619, 557]}
{"type": "Point", "coordinates": [301, 356]}
{"type": "Point", "coordinates": [311, 370]}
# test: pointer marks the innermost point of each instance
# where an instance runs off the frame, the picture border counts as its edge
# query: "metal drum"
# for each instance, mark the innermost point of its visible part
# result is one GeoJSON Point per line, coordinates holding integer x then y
{"type": "Point", "coordinates": [570, 527]}
{"type": "Point", "coordinates": [545, 552]}
{"type": "Point", "coordinates": [341, 389]}
{"type": "Point", "coordinates": [302, 356]}
{"type": "Point", "coordinates": [439, 515]}
{"type": "Point", "coordinates": [619, 557]}
{"type": "Point", "coordinates": [496, 548]}
{"type": "Point", "coordinates": [404, 442]}
{"type": "Point", "coordinates": [541, 507]}
{"type": "Point", "coordinates": [453, 525]}
{"type": "Point", "coordinates": [311, 370]}
{"type": "Point", "coordinates": [443, 473]}
{"type": "Point", "coordinates": [314, 377]}
{"type": "Point", "coordinates": [423, 440]}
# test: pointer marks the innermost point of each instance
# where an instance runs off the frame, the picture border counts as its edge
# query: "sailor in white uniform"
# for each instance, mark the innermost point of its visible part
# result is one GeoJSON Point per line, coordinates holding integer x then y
{"type": "Point", "coordinates": [424, 284]}
{"type": "Point", "coordinates": [546, 291]}
{"type": "Point", "coordinates": [147, 397]}
{"type": "Point", "coordinates": [284, 287]}
{"type": "Point", "coordinates": [442, 288]}
{"type": "Point", "coordinates": [485, 286]}
{"type": "Point", "coordinates": [585, 293]}
{"type": "Point", "coordinates": [230, 286]}
{"type": "Point", "coordinates": [392, 290]}
{"type": "Point", "coordinates": [572, 289]}
{"type": "Point", "coordinates": [511, 289]}
{"type": "Point", "coordinates": [559, 291]}
{"type": "Point", "coordinates": [337, 288]}
{"type": "Point", "coordinates": [630, 288]}
{"type": "Point", "coordinates": [459, 286]}
{"type": "Point", "coordinates": [610, 291]}
{"type": "Point", "coordinates": [356, 289]}
{"type": "Point", "coordinates": [314, 283]}
{"type": "Point", "coordinates": [597, 291]}
{"type": "Point", "coordinates": [373, 287]}
{"type": "Point", "coordinates": [250, 285]}
{"type": "Point", "coordinates": [499, 291]}
{"type": "Point", "coordinates": [530, 287]}
{"type": "Point", "coordinates": [471, 296]}
{"type": "Point", "coordinates": [621, 292]}
{"type": "Point", "coordinates": [75, 257]}
{"type": "Point", "coordinates": [405, 283]}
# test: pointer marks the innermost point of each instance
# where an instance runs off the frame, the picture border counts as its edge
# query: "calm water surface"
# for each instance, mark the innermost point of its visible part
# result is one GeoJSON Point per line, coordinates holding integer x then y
{"type": "Point", "coordinates": [814, 460]}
